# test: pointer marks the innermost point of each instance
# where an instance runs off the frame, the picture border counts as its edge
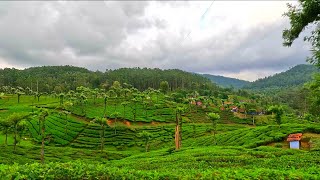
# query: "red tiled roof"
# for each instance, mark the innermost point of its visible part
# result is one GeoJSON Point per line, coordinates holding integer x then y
{"type": "Point", "coordinates": [294, 137]}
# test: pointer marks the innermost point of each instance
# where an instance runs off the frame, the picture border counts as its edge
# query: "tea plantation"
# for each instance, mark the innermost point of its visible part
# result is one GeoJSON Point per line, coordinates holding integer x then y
{"type": "Point", "coordinates": [233, 149]}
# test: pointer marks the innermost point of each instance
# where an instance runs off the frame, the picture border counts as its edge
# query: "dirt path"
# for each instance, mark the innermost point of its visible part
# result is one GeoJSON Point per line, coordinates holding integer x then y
{"type": "Point", "coordinates": [80, 118]}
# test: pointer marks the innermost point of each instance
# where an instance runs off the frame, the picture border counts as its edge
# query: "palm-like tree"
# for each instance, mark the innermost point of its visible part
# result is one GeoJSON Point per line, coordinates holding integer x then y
{"type": "Point", "coordinates": [277, 111]}
{"type": "Point", "coordinates": [19, 94]}
{"type": "Point", "coordinates": [103, 123]}
{"type": "Point", "coordinates": [42, 118]}
{"type": "Point", "coordinates": [61, 97]}
{"type": "Point", "coordinates": [5, 126]}
{"type": "Point", "coordinates": [115, 115]}
{"type": "Point", "coordinates": [146, 136]}
{"type": "Point", "coordinates": [38, 95]}
{"type": "Point", "coordinates": [16, 121]}
{"type": "Point", "coordinates": [214, 118]}
{"type": "Point", "coordinates": [178, 133]}
{"type": "Point", "coordinates": [124, 104]}
{"type": "Point", "coordinates": [134, 107]}
{"type": "Point", "coordinates": [82, 100]}
{"type": "Point", "coordinates": [95, 94]}
{"type": "Point", "coordinates": [105, 100]}
{"type": "Point", "coordinates": [66, 113]}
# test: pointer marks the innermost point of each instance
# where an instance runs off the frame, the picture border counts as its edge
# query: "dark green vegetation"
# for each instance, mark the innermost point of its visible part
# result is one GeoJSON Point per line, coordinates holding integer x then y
{"type": "Point", "coordinates": [226, 81]}
{"type": "Point", "coordinates": [189, 163]}
{"type": "Point", "coordinates": [65, 78]}
{"type": "Point", "coordinates": [293, 77]}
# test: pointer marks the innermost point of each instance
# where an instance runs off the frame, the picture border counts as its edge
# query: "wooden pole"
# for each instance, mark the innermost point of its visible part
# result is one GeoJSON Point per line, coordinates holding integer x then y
{"type": "Point", "coordinates": [177, 133]}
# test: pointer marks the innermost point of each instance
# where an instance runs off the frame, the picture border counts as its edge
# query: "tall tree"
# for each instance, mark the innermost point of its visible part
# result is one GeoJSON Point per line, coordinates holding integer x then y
{"type": "Point", "coordinates": [115, 115]}
{"type": "Point", "coordinates": [178, 135]}
{"type": "Point", "coordinates": [16, 119]}
{"type": "Point", "coordinates": [103, 123]}
{"type": "Point", "coordinates": [5, 127]}
{"type": "Point", "coordinates": [42, 117]}
{"type": "Point", "coordinates": [278, 111]}
{"type": "Point", "coordinates": [214, 118]}
{"type": "Point", "coordinates": [61, 97]}
{"type": "Point", "coordinates": [146, 137]}
{"type": "Point", "coordinates": [307, 12]}
{"type": "Point", "coordinates": [164, 87]}
{"type": "Point", "coordinates": [19, 94]}
{"type": "Point", "coordinates": [105, 100]}
{"type": "Point", "coordinates": [134, 107]}
{"type": "Point", "coordinates": [124, 104]}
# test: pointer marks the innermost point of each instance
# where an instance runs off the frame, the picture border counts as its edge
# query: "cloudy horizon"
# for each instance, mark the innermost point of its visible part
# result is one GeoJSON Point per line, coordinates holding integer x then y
{"type": "Point", "coordinates": [239, 39]}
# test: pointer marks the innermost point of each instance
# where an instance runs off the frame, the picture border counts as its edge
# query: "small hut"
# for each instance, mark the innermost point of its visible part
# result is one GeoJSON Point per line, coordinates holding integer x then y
{"type": "Point", "coordinates": [294, 140]}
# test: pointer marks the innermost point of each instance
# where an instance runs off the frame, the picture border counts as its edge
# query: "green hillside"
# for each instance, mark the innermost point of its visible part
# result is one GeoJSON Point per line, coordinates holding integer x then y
{"type": "Point", "coordinates": [295, 76]}
{"type": "Point", "coordinates": [226, 81]}
{"type": "Point", "coordinates": [64, 78]}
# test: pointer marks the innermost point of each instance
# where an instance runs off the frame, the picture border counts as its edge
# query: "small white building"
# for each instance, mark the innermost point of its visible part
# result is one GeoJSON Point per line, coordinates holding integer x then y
{"type": "Point", "coordinates": [294, 140]}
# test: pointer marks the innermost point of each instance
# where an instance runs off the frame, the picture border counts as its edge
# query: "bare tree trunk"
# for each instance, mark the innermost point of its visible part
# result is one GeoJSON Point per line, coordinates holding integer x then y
{"type": "Point", "coordinates": [115, 126]}
{"type": "Point", "coordinates": [147, 146]}
{"type": "Point", "coordinates": [15, 138]}
{"type": "Point", "coordinates": [102, 138]}
{"type": "Point", "coordinates": [124, 112]}
{"type": "Point", "coordinates": [214, 132]}
{"type": "Point", "coordinates": [6, 141]}
{"type": "Point", "coordinates": [66, 126]}
{"type": "Point", "coordinates": [177, 133]}
{"type": "Point", "coordinates": [180, 131]}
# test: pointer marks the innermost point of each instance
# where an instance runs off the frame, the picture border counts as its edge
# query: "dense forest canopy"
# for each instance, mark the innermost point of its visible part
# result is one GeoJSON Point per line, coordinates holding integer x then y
{"type": "Point", "coordinates": [295, 76]}
{"type": "Point", "coordinates": [64, 78]}
{"type": "Point", "coordinates": [226, 81]}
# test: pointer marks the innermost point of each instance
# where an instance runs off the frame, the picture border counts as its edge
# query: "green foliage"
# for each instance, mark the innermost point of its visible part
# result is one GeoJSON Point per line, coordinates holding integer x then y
{"type": "Point", "coordinates": [164, 86]}
{"type": "Point", "coordinates": [146, 136]}
{"type": "Point", "coordinates": [60, 79]}
{"type": "Point", "coordinates": [278, 145]}
{"type": "Point", "coordinates": [301, 16]}
{"type": "Point", "coordinates": [314, 96]}
{"type": "Point", "coordinates": [278, 112]}
{"type": "Point", "coordinates": [190, 163]}
{"type": "Point", "coordinates": [226, 81]}
{"type": "Point", "coordinates": [296, 76]}
{"type": "Point", "coordinates": [253, 137]}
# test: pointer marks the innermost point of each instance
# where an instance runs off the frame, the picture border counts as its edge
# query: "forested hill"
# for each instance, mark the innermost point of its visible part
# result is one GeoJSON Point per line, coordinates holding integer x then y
{"type": "Point", "coordinates": [226, 81]}
{"type": "Point", "coordinates": [62, 78]}
{"type": "Point", "coordinates": [295, 76]}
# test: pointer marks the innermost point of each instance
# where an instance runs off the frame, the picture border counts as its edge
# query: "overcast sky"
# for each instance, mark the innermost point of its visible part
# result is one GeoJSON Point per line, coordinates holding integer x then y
{"type": "Point", "coordinates": [240, 39]}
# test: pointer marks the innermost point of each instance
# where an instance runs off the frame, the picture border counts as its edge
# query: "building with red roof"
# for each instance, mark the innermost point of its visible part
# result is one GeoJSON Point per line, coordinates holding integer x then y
{"type": "Point", "coordinates": [294, 140]}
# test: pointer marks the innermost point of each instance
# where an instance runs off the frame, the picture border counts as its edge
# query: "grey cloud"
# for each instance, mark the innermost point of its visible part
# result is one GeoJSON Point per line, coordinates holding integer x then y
{"type": "Point", "coordinates": [88, 28]}
{"type": "Point", "coordinates": [93, 34]}
{"type": "Point", "coordinates": [261, 49]}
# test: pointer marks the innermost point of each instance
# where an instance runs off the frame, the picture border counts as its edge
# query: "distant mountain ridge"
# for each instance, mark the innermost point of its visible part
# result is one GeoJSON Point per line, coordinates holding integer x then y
{"type": "Point", "coordinates": [295, 76]}
{"type": "Point", "coordinates": [226, 81]}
